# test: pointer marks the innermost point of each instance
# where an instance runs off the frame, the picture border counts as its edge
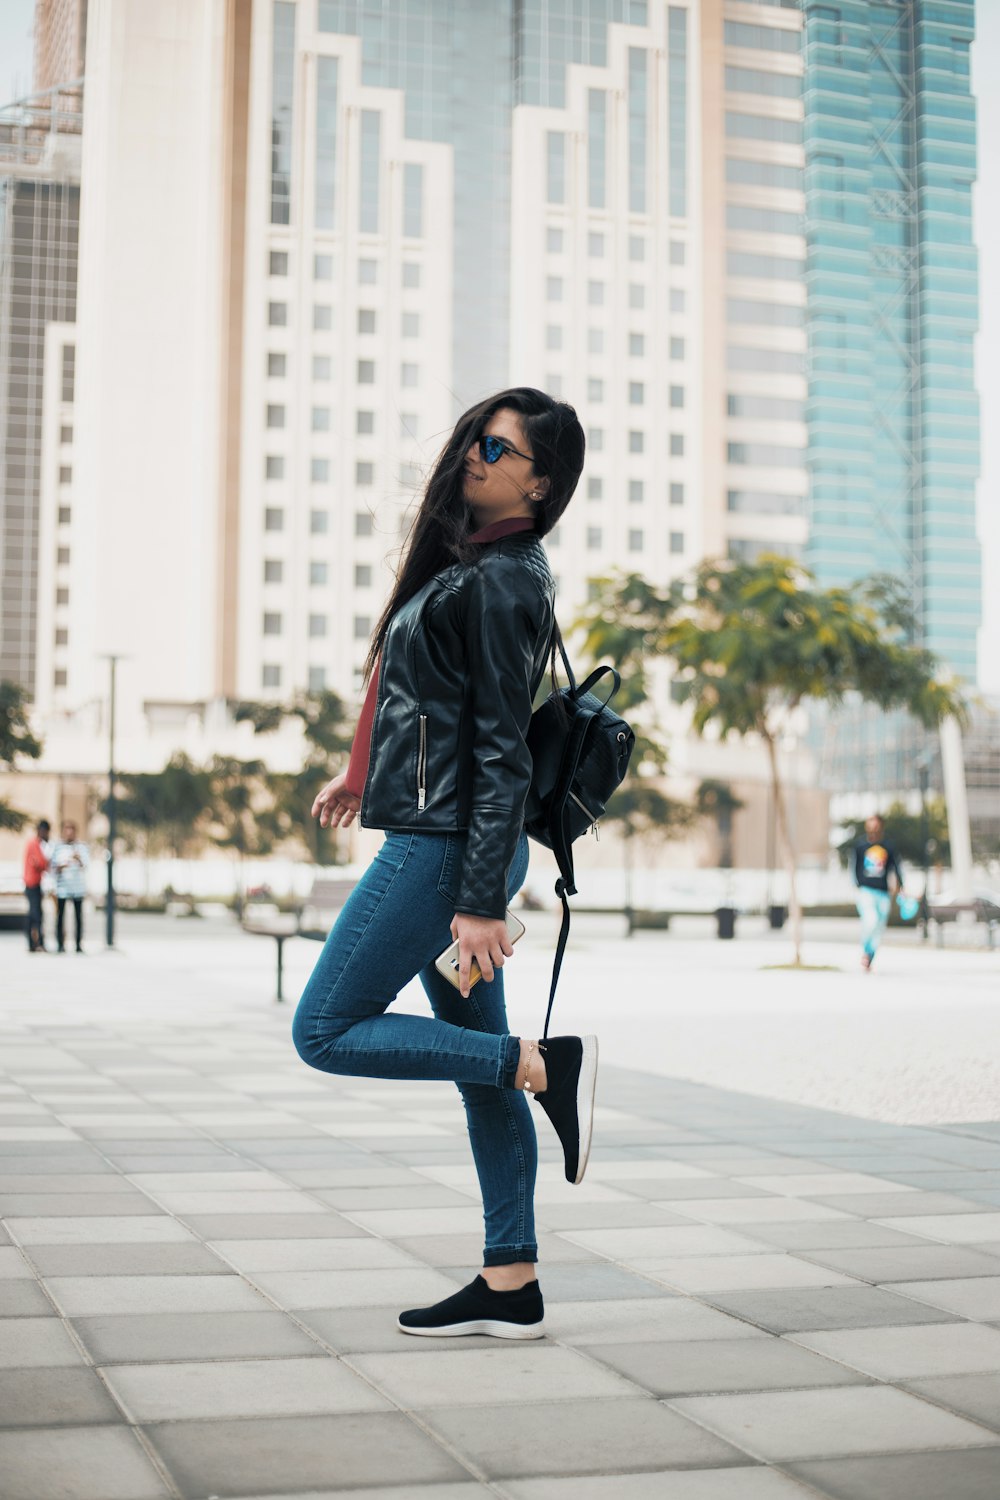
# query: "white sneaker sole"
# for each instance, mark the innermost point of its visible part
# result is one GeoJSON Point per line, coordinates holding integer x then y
{"type": "Point", "coordinates": [585, 1087]}
{"type": "Point", "coordinates": [493, 1328]}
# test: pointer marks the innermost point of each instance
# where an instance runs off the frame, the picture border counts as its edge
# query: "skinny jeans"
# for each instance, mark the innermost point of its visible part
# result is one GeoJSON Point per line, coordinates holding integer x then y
{"type": "Point", "coordinates": [873, 909]}
{"type": "Point", "coordinates": [393, 926]}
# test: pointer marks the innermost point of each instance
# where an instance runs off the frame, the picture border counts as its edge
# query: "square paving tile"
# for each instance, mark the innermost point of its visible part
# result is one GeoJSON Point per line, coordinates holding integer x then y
{"type": "Point", "coordinates": [77, 1463]}
{"type": "Point", "coordinates": [975, 1396]}
{"type": "Point", "coordinates": [124, 1230]}
{"type": "Point", "coordinates": [398, 1288]}
{"type": "Point", "coordinates": [275, 1455]}
{"type": "Point", "coordinates": [972, 1475]}
{"type": "Point", "coordinates": [253, 1256]}
{"type": "Point", "coordinates": [51, 1397]}
{"type": "Point", "coordinates": [75, 1205]}
{"type": "Point", "coordinates": [975, 1297]}
{"type": "Point", "coordinates": [752, 1210]}
{"type": "Point", "coordinates": [796, 1309]}
{"type": "Point", "coordinates": [156, 1259]}
{"type": "Point", "coordinates": [34, 1343]}
{"type": "Point", "coordinates": [635, 1244]}
{"type": "Point", "coordinates": [24, 1299]}
{"type": "Point", "coordinates": [838, 1234]}
{"type": "Point", "coordinates": [905, 1353]}
{"type": "Point", "coordinates": [906, 1263]}
{"type": "Point", "coordinates": [165, 1336]}
{"type": "Point", "coordinates": [581, 1437]}
{"type": "Point", "coordinates": [781, 1426]}
{"type": "Point", "coordinates": [954, 1229]}
{"type": "Point", "coordinates": [733, 1273]}
{"type": "Point", "coordinates": [90, 1296]}
{"type": "Point", "coordinates": [689, 1484]}
{"type": "Point", "coordinates": [356, 1330]}
{"type": "Point", "coordinates": [467, 1249]}
{"type": "Point", "coordinates": [240, 1388]}
{"type": "Point", "coordinates": [598, 1283]}
{"type": "Point", "coordinates": [328, 1226]}
{"type": "Point", "coordinates": [720, 1365]}
{"type": "Point", "coordinates": [490, 1377]}
{"type": "Point", "coordinates": [605, 1216]}
{"type": "Point", "coordinates": [665, 1319]}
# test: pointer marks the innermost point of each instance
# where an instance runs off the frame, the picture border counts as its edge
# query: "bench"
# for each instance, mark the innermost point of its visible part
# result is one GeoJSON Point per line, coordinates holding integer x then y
{"type": "Point", "coordinates": [313, 919]}
{"type": "Point", "coordinates": [981, 911]}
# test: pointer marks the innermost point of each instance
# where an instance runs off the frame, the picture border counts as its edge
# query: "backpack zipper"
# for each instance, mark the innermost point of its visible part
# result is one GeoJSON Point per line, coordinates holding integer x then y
{"type": "Point", "coordinates": [594, 828]}
{"type": "Point", "coordinates": [422, 765]}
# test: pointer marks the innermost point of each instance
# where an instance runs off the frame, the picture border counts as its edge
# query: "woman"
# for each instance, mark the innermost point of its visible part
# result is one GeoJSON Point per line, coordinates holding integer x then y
{"type": "Point", "coordinates": [440, 762]}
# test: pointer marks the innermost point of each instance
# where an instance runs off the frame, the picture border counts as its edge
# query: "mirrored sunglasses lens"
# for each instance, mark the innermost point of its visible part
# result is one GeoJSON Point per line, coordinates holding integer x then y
{"type": "Point", "coordinates": [491, 449]}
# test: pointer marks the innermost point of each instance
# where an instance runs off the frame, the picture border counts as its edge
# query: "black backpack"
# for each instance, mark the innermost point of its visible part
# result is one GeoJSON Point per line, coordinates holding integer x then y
{"type": "Point", "coordinates": [580, 752]}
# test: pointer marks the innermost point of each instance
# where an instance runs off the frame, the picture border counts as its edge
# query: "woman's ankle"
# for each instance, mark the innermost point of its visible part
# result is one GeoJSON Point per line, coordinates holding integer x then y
{"type": "Point", "coordinates": [509, 1278]}
{"type": "Point", "coordinates": [531, 1075]}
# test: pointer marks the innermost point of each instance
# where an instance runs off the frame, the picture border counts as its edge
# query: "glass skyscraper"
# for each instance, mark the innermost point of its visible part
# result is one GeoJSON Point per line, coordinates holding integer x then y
{"type": "Point", "coordinates": [890, 136]}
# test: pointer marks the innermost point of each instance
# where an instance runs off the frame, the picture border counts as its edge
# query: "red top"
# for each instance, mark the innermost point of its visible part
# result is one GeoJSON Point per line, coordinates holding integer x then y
{"type": "Point", "coordinates": [35, 863]}
{"type": "Point", "coordinates": [357, 769]}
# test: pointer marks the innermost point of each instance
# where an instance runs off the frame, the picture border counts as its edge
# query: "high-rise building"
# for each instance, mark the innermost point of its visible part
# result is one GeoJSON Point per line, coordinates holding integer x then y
{"type": "Point", "coordinates": [892, 290]}
{"type": "Point", "coordinates": [60, 42]}
{"type": "Point", "coordinates": [39, 224]}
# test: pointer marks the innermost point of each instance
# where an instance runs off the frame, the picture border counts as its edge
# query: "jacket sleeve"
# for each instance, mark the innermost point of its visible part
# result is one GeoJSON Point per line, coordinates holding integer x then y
{"type": "Point", "coordinates": [502, 622]}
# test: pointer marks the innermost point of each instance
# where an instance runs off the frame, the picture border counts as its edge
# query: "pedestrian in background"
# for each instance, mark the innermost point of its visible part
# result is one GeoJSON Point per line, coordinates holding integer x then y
{"type": "Point", "coordinates": [36, 863]}
{"type": "Point", "coordinates": [874, 862]}
{"type": "Point", "coordinates": [69, 859]}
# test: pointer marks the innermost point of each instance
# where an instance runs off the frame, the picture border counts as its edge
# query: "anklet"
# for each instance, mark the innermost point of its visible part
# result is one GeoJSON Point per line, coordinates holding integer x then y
{"type": "Point", "coordinates": [526, 1086]}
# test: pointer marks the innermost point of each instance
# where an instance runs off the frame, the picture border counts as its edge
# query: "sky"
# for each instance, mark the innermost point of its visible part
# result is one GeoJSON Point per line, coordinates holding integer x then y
{"type": "Point", "coordinates": [15, 79]}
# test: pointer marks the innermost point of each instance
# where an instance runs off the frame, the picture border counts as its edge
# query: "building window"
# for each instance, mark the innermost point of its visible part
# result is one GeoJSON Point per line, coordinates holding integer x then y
{"type": "Point", "coordinates": [409, 425]}
{"type": "Point", "coordinates": [319, 522]}
{"type": "Point", "coordinates": [65, 473]}
{"type": "Point", "coordinates": [321, 367]}
{"type": "Point", "coordinates": [367, 271]}
{"type": "Point", "coordinates": [322, 267]}
{"type": "Point", "coordinates": [763, 128]}
{"type": "Point", "coordinates": [595, 487]}
{"type": "Point", "coordinates": [635, 541]}
{"type": "Point", "coordinates": [677, 112]}
{"type": "Point", "coordinates": [411, 325]}
{"type": "Point", "coordinates": [270, 673]}
{"type": "Point", "coordinates": [676, 396]}
{"type": "Point", "coordinates": [595, 245]}
{"type": "Point", "coordinates": [595, 389]}
{"type": "Point", "coordinates": [277, 263]}
{"type": "Point", "coordinates": [773, 267]}
{"type": "Point", "coordinates": [678, 252]}
{"type": "Point", "coordinates": [595, 340]}
{"type": "Point", "coordinates": [594, 536]}
{"type": "Point", "coordinates": [65, 434]}
{"type": "Point", "coordinates": [365, 422]}
{"type": "Point", "coordinates": [636, 491]}
{"type": "Point", "coordinates": [597, 147]}
{"type": "Point", "coordinates": [636, 247]}
{"type": "Point", "coordinates": [411, 274]}
{"type": "Point", "coordinates": [637, 345]}
{"type": "Point", "coordinates": [59, 677]}
{"type": "Point", "coordinates": [554, 241]}
{"type": "Point", "coordinates": [595, 293]}
{"type": "Point", "coordinates": [364, 472]}
{"type": "Point", "coordinates": [274, 570]}
{"type": "Point", "coordinates": [366, 320]}
{"type": "Point", "coordinates": [763, 220]}
{"type": "Point", "coordinates": [595, 438]}
{"type": "Point", "coordinates": [637, 105]}
{"type": "Point", "coordinates": [636, 295]}
{"type": "Point", "coordinates": [677, 541]}
{"type": "Point", "coordinates": [772, 361]}
{"type": "Point", "coordinates": [555, 166]}
{"type": "Point", "coordinates": [62, 596]}
{"type": "Point", "coordinates": [317, 626]}
{"type": "Point", "coordinates": [68, 380]}
{"type": "Point", "coordinates": [277, 366]}
{"type": "Point", "coordinates": [321, 419]}
{"type": "Point", "coordinates": [275, 416]}
{"type": "Point", "coordinates": [676, 493]}
{"type": "Point", "coordinates": [277, 314]}
{"type": "Point", "coordinates": [636, 441]}
{"type": "Point", "coordinates": [318, 573]}
{"type": "Point", "coordinates": [319, 470]}
{"type": "Point", "coordinates": [282, 97]}
{"type": "Point", "coordinates": [272, 622]}
{"type": "Point", "coordinates": [62, 556]}
{"type": "Point", "coordinates": [757, 81]}
{"type": "Point", "coordinates": [64, 515]}
{"type": "Point", "coordinates": [553, 336]}
{"type": "Point", "coordinates": [362, 575]}
{"type": "Point", "coordinates": [322, 317]}
{"type": "Point", "coordinates": [370, 153]}
{"type": "Point", "coordinates": [676, 348]}
{"type": "Point", "coordinates": [766, 174]}
{"type": "Point", "coordinates": [737, 34]}
{"type": "Point", "coordinates": [553, 384]}
{"type": "Point", "coordinates": [678, 300]}
{"type": "Point", "coordinates": [765, 455]}
{"type": "Point", "coordinates": [677, 445]}
{"type": "Point", "coordinates": [62, 636]}
{"type": "Point", "coordinates": [553, 288]}
{"type": "Point", "coordinates": [362, 627]}
{"type": "Point", "coordinates": [274, 518]}
{"type": "Point", "coordinates": [274, 466]}
{"type": "Point", "coordinates": [317, 679]}
{"type": "Point", "coordinates": [362, 523]}
{"type": "Point", "coordinates": [636, 393]}
{"type": "Point", "coordinates": [413, 200]}
{"type": "Point", "coordinates": [366, 372]}
{"type": "Point", "coordinates": [409, 375]}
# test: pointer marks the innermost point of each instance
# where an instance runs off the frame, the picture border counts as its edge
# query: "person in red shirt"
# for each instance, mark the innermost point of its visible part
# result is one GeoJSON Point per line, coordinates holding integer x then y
{"type": "Point", "coordinates": [36, 862]}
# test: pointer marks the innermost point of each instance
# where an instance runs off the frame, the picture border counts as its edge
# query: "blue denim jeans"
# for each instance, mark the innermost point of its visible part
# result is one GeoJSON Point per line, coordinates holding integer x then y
{"type": "Point", "coordinates": [873, 909]}
{"type": "Point", "coordinates": [393, 926]}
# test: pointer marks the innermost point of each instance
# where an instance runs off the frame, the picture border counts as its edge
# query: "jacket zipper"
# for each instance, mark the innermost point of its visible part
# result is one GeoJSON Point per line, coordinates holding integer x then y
{"type": "Point", "coordinates": [422, 765]}
{"type": "Point", "coordinates": [594, 828]}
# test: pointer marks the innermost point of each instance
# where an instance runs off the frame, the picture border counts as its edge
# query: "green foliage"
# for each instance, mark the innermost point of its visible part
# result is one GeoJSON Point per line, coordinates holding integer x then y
{"type": "Point", "coordinates": [904, 830]}
{"type": "Point", "coordinates": [168, 808]}
{"type": "Point", "coordinates": [16, 740]}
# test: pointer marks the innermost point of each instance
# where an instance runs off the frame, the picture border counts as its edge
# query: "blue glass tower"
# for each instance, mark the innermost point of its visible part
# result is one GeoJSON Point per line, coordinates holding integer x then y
{"type": "Point", "coordinates": [890, 135]}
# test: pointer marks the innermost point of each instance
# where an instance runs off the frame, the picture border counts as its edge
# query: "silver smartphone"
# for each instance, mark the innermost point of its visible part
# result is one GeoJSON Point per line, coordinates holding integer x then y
{"type": "Point", "coordinates": [447, 963]}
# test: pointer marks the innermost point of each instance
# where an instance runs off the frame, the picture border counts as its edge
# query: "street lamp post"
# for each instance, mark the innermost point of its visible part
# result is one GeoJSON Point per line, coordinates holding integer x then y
{"type": "Point", "coordinates": [923, 772]}
{"type": "Point", "coordinates": [109, 906]}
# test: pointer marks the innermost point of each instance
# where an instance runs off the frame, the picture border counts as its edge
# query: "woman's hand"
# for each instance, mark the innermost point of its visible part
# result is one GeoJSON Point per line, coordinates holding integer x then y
{"type": "Point", "coordinates": [335, 806]}
{"type": "Point", "coordinates": [486, 939]}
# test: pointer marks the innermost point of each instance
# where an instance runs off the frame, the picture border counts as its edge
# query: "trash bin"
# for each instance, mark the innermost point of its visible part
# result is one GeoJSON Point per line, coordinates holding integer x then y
{"type": "Point", "coordinates": [777, 916]}
{"type": "Point", "coordinates": [726, 918]}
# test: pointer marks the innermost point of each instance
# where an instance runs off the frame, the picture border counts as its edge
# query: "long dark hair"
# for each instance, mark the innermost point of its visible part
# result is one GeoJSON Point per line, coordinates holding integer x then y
{"type": "Point", "coordinates": [441, 529]}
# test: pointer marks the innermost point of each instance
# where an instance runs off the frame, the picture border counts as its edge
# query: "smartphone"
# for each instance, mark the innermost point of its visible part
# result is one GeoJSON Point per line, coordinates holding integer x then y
{"type": "Point", "coordinates": [447, 963]}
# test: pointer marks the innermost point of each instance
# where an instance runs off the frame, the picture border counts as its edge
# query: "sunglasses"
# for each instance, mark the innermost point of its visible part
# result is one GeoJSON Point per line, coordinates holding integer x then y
{"type": "Point", "coordinates": [492, 449]}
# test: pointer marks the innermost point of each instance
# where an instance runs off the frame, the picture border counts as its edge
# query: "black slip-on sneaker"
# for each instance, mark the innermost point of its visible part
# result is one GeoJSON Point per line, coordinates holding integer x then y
{"type": "Point", "coordinates": [479, 1309]}
{"type": "Point", "coordinates": [568, 1098]}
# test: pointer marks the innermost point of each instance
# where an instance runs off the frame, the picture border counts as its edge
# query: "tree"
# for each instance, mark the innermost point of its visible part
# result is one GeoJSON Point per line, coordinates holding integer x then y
{"type": "Point", "coordinates": [328, 737]}
{"type": "Point", "coordinates": [167, 809]}
{"type": "Point", "coordinates": [244, 817]}
{"type": "Point", "coordinates": [752, 641]}
{"type": "Point", "coordinates": [905, 831]}
{"type": "Point", "coordinates": [718, 801]}
{"type": "Point", "coordinates": [16, 740]}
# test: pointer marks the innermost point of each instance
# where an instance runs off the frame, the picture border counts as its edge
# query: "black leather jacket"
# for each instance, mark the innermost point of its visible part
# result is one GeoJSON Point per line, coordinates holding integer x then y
{"type": "Point", "coordinates": [459, 669]}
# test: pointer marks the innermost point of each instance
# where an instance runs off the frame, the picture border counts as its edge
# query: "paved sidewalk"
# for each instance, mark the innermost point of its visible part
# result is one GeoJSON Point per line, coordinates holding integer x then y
{"type": "Point", "coordinates": [205, 1247]}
